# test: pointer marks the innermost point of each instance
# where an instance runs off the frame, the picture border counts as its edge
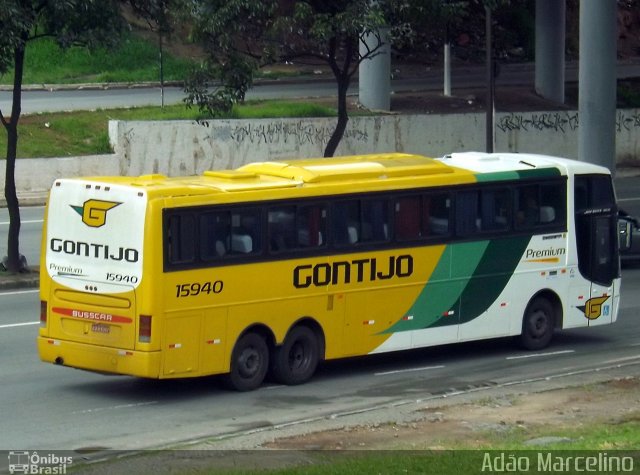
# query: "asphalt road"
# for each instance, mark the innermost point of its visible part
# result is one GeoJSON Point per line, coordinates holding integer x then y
{"type": "Point", "coordinates": [52, 98]}
{"type": "Point", "coordinates": [48, 407]}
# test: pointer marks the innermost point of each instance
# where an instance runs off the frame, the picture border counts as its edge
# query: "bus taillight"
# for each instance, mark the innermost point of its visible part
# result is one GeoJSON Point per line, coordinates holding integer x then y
{"type": "Point", "coordinates": [144, 329]}
{"type": "Point", "coordinates": [43, 314]}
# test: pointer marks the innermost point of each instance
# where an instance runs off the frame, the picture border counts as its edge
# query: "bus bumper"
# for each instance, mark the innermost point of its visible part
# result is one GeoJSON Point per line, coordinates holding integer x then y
{"type": "Point", "coordinates": [101, 359]}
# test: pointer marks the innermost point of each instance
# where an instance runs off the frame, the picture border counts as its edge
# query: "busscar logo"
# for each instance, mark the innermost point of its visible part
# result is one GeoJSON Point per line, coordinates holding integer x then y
{"type": "Point", "coordinates": [94, 212]}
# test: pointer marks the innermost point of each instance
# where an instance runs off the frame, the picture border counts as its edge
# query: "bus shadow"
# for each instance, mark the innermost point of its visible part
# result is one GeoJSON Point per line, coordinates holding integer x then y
{"type": "Point", "coordinates": [128, 388]}
{"type": "Point", "coordinates": [478, 354]}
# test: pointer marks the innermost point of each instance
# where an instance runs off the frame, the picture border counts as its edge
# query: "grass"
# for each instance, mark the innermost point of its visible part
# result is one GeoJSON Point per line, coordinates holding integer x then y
{"type": "Point", "coordinates": [135, 60]}
{"type": "Point", "coordinates": [64, 134]}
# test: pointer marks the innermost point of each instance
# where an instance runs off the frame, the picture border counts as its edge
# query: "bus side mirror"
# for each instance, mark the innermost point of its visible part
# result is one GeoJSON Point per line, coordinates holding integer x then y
{"type": "Point", "coordinates": [624, 234]}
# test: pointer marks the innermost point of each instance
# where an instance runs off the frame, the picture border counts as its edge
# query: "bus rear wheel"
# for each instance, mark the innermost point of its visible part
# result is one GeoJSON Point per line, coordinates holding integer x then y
{"type": "Point", "coordinates": [297, 359]}
{"type": "Point", "coordinates": [249, 363]}
{"type": "Point", "coordinates": [538, 324]}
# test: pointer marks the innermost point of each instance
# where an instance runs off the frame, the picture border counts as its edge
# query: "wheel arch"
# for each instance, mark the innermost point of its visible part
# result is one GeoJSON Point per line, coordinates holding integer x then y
{"type": "Point", "coordinates": [556, 302]}
{"type": "Point", "coordinates": [262, 330]}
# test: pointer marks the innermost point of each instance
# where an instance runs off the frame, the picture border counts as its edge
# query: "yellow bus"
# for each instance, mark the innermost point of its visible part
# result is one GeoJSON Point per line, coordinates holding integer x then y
{"type": "Point", "coordinates": [277, 266]}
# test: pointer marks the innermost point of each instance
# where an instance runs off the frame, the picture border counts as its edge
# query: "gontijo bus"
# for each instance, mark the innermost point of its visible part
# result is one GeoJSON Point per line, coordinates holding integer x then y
{"type": "Point", "coordinates": [276, 266]}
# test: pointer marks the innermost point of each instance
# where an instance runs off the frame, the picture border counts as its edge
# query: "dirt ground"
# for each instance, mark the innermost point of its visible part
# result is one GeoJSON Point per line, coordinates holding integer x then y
{"type": "Point", "coordinates": [476, 423]}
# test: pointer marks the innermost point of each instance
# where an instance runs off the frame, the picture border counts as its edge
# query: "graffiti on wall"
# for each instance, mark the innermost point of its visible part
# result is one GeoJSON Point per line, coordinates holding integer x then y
{"type": "Point", "coordinates": [536, 121]}
{"type": "Point", "coordinates": [561, 122]}
{"type": "Point", "coordinates": [626, 120]}
{"type": "Point", "coordinates": [300, 132]}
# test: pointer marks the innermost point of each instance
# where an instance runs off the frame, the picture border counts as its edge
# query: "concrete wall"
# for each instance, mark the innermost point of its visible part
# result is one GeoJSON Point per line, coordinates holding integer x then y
{"type": "Point", "coordinates": [187, 147]}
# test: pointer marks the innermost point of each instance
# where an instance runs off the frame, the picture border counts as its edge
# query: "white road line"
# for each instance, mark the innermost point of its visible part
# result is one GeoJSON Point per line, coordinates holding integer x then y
{"type": "Point", "coordinates": [538, 355]}
{"type": "Point", "coordinates": [12, 325]}
{"type": "Point", "coordinates": [111, 408]}
{"type": "Point", "coordinates": [620, 360]}
{"type": "Point", "coordinates": [18, 292]}
{"type": "Point", "coordinates": [425, 368]}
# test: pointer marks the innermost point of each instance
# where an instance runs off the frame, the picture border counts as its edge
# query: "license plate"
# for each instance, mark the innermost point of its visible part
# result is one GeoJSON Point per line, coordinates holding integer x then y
{"type": "Point", "coordinates": [100, 328]}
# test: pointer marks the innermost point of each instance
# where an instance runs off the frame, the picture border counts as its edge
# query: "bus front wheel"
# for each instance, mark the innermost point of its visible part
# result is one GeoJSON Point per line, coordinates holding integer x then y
{"type": "Point", "coordinates": [249, 363]}
{"type": "Point", "coordinates": [538, 324]}
{"type": "Point", "coordinates": [296, 360]}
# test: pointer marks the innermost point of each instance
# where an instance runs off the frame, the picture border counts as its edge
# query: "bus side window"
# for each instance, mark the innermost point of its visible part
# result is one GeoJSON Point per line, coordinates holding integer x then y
{"type": "Point", "coordinates": [553, 208]}
{"type": "Point", "coordinates": [311, 223]}
{"type": "Point", "coordinates": [181, 237]}
{"type": "Point", "coordinates": [539, 205]}
{"type": "Point", "coordinates": [346, 222]}
{"type": "Point", "coordinates": [374, 220]}
{"type": "Point", "coordinates": [245, 232]}
{"type": "Point", "coordinates": [214, 235]}
{"type": "Point", "coordinates": [281, 221]}
{"type": "Point", "coordinates": [407, 221]}
{"type": "Point", "coordinates": [495, 210]}
{"type": "Point", "coordinates": [527, 206]}
{"type": "Point", "coordinates": [436, 213]}
{"type": "Point", "coordinates": [467, 217]}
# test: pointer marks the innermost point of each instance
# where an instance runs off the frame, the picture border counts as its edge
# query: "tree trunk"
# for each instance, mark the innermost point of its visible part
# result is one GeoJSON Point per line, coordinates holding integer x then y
{"type": "Point", "coordinates": [343, 118]}
{"type": "Point", "coordinates": [14, 263]}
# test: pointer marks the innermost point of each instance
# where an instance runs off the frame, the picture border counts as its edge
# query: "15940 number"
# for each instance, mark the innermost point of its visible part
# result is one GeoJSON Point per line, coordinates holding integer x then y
{"type": "Point", "coordinates": [197, 288]}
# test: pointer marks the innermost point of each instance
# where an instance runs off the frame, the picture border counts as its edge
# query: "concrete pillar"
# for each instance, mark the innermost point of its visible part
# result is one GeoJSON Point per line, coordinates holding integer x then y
{"type": "Point", "coordinates": [597, 83]}
{"type": "Point", "coordinates": [447, 69]}
{"type": "Point", "coordinates": [375, 73]}
{"type": "Point", "coordinates": [550, 48]}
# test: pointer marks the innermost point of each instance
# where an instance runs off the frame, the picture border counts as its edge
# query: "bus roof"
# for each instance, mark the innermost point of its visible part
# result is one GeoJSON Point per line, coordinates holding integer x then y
{"type": "Point", "coordinates": [368, 171]}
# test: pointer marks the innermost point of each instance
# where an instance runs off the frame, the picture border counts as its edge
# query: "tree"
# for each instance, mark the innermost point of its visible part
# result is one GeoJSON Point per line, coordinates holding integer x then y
{"type": "Point", "coordinates": [241, 36]}
{"type": "Point", "coordinates": [161, 17]}
{"type": "Point", "coordinates": [70, 22]}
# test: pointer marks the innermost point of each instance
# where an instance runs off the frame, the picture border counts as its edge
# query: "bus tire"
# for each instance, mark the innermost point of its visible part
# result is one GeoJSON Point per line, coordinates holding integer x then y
{"type": "Point", "coordinates": [538, 324]}
{"type": "Point", "coordinates": [295, 361]}
{"type": "Point", "coordinates": [249, 363]}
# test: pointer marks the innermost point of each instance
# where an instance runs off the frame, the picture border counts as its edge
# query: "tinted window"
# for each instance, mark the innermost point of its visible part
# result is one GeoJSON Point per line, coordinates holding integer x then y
{"type": "Point", "coordinates": [361, 221]}
{"type": "Point", "coordinates": [421, 216]}
{"type": "Point", "coordinates": [297, 227]}
{"type": "Point", "coordinates": [539, 205]}
{"type": "Point", "coordinates": [482, 210]}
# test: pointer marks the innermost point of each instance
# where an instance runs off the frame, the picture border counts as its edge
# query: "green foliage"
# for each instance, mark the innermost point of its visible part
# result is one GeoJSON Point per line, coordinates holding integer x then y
{"type": "Point", "coordinates": [133, 60]}
{"type": "Point", "coordinates": [629, 93]}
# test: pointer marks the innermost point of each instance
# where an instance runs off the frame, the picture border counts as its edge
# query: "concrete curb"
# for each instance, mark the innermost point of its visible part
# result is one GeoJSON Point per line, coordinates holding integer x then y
{"type": "Point", "coordinates": [22, 280]}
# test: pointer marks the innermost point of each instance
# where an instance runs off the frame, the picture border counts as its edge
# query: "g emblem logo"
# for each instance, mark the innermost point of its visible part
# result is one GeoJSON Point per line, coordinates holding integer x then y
{"type": "Point", "coordinates": [94, 212]}
{"type": "Point", "coordinates": [593, 309]}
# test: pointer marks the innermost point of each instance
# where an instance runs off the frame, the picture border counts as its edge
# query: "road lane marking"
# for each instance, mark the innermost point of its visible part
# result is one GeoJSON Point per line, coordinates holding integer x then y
{"type": "Point", "coordinates": [538, 355]}
{"type": "Point", "coordinates": [12, 325]}
{"type": "Point", "coordinates": [628, 199]}
{"type": "Point", "coordinates": [18, 292]}
{"type": "Point", "coordinates": [620, 360]}
{"type": "Point", "coordinates": [408, 370]}
{"type": "Point", "coordinates": [111, 408]}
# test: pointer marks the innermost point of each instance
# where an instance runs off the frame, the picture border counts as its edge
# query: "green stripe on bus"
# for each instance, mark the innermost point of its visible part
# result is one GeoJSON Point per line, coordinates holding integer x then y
{"type": "Point", "coordinates": [518, 175]}
{"type": "Point", "coordinates": [491, 277]}
{"type": "Point", "coordinates": [468, 278]}
{"type": "Point", "coordinates": [439, 296]}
